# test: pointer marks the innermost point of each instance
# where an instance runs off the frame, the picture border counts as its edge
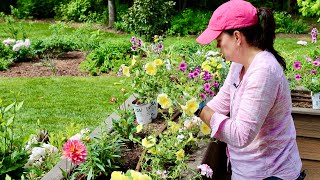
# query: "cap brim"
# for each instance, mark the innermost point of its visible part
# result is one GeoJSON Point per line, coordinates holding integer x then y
{"type": "Point", "coordinates": [208, 36]}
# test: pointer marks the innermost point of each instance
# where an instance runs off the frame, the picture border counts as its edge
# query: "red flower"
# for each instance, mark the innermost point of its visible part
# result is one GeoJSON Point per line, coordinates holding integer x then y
{"type": "Point", "coordinates": [75, 151]}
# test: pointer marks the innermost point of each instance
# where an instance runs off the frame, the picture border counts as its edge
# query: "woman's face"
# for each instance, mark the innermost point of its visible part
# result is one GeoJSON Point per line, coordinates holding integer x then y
{"type": "Point", "coordinates": [228, 45]}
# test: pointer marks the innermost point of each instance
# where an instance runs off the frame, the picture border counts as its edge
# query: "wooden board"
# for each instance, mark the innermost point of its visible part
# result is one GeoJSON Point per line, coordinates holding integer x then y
{"type": "Point", "coordinates": [307, 125]}
{"type": "Point", "coordinates": [312, 169]}
{"type": "Point", "coordinates": [309, 148]}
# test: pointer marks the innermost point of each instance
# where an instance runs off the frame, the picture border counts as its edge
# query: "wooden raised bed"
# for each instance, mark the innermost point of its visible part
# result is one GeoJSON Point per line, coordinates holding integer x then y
{"type": "Point", "coordinates": [307, 123]}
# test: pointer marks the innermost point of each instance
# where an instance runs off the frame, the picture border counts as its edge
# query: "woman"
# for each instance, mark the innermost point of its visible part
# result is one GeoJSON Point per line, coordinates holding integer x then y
{"type": "Point", "coordinates": [260, 133]}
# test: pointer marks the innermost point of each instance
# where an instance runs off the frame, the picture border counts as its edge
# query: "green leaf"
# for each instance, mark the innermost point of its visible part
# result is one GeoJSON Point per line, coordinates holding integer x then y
{"type": "Point", "coordinates": [9, 107]}
{"type": "Point", "coordinates": [10, 121]}
{"type": "Point", "coordinates": [8, 177]}
{"type": "Point", "coordinates": [90, 174]}
{"type": "Point", "coordinates": [19, 105]}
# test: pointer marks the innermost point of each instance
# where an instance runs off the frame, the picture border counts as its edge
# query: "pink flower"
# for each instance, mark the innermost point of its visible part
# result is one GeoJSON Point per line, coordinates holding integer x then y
{"type": "Point", "coordinates": [203, 96]}
{"type": "Point", "coordinates": [183, 66]}
{"type": "Point", "coordinates": [205, 170]}
{"type": "Point", "coordinates": [297, 65]}
{"type": "Point", "coordinates": [75, 151]}
{"type": "Point", "coordinates": [206, 86]}
{"type": "Point", "coordinates": [316, 63]}
{"type": "Point", "coordinates": [313, 71]}
{"type": "Point", "coordinates": [309, 59]}
{"type": "Point", "coordinates": [216, 84]}
{"type": "Point", "coordinates": [298, 77]}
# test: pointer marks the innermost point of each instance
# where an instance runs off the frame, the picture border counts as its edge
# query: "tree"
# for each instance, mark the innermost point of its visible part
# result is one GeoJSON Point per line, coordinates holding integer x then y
{"type": "Point", "coordinates": [309, 8]}
{"type": "Point", "coordinates": [112, 12]}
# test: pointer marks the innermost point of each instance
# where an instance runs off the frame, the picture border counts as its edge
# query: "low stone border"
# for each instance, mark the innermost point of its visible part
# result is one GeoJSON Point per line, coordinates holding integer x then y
{"type": "Point", "coordinates": [56, 174]}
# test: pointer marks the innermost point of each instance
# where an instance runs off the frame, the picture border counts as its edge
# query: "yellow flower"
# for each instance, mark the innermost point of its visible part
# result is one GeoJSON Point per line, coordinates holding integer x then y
{"type": "Point", "coordinates": [148, 142]}
{"type": "Point", "coordinates": [191, 138]}
{"type": "Point", "coordinates": [145, 177]}
{"type": "Point", "coordinates": [126, 70]}
{"type": "Point", "coordinates": [133, 62]}
{"type": "Point", "coordinates": [152, 150]}
{"type": "Point", "coordinates": [205, 66]}
{"type": "Point", "coordinates": [213, 61]}
{"type": "Point", "coordinates": [228, 62]}
{"type": "Point", "coordinates": [123, 90]}
{"type": "Point", "coordinates": [164, 101]}
{"type": "Point", "coordinates": [151, 69]}
{"type": "Point", "coordinates": [158, 62]}
{"type": "Point", "coordinates": [180, 154]}
{"type": "Point", "coordinates": [190, 107]}
{"type": "Point", "coordinates": [205, 129]}
{"type": "Point", "coordinates": [219, 66]}
{"type": "Point", "coordinates": [174, 127]}
{"type": "Point", "coordinates": [135, 175]}
{"type": "Point", "coordinates": [117, 175]}
{"type": "Point", "coordinates": [139, 128]}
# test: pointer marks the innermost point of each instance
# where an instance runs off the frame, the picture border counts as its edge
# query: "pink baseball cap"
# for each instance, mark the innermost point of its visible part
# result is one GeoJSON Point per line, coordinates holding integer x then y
{"type": "Point", "coordinates": [230, 15]}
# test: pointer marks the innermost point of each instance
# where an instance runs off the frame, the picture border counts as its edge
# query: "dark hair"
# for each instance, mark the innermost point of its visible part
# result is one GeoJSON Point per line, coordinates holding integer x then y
{"type": "Point", "coordinates": [262, 34]}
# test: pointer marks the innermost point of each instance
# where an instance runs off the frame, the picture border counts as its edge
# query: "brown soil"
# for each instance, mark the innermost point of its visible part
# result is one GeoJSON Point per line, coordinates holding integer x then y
{"type": "Point", "coordinates": [66, 65]}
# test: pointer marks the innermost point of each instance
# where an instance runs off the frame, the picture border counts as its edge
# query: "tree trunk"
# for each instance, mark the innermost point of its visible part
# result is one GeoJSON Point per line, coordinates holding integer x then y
{"type": "Point", "coordinates": [112, 12]}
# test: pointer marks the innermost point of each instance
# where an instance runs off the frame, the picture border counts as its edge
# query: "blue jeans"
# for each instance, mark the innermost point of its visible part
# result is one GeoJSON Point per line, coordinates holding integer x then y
{"type": "Point", "coordinates": [301, 177]}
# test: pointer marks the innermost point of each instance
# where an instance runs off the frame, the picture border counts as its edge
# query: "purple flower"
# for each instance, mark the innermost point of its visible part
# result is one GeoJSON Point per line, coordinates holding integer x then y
{"type": "Point", "coordinates": [203, 96]}
{"type": "Point", "coordinates": [313, 71]}
{"type": "Point", "coordinates": [183, 66]}
{"type": "Point", "coordinates": [298, 77]}
{"type": "Point", "coordinates": [133, 40]}
{"type": "Point", "coordinates": [191, 75]}
{"type": "Point", "coordinates": [297, 65]}
{"type": "Point", "coordinates": [198, 69]}
{"type": "Point", "coordinates": [206, 86]}
{"type": "Point", "coordinates": [133, 48]}
{"type": "Point", "coordinates": [216, 84]}
{"type": "Point", "coordinates": [195, 73]}
{"type": "Point", "coordinates": [160, 46]}
{"type": "Point", "coordinates": [205, 170]}
{"type": "Point", "coordinates": [308, 59]}
{"type": "Point", "coordinates": [210, 92]}
{"type": "Point", "coordinates": [316, 63]}
{"type": "Point", "coordinates": [207, 76]}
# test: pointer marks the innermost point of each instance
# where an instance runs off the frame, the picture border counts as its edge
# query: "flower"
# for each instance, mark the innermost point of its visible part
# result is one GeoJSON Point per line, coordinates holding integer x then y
{"type": "Point", "coordinates": [139, 128]}
{"type": "Point", "coordinates": [183, 66]}
{"type": "Point", "coordinates": [180, 154]}
{"type": "Point", "coordinates": [205, 129]}
{"type": "Point", "coordinates": [148, 142]}
{"type": "Point", "coordinates": [205, 170]}
{"type": "Point", "coordinates": [151, 69]}
{"type": "Point", "coordinates": [126, 70]}
{"type": "Point", "coordinates": [164, 101]}
{"type": "Point", "coordinates": [174, 127]}
{"type": "Point", "coordinates": [180, 137]}
{"type": "Point", "coordinates": [297, 65]}
{"type": "Point", "coordinates": [313, 71]}
{"type": "Point", "coordinates": [298, 77]}
{"type": "Point", "coordinates": [118, 175]}
{"type": "Point", "coordinates": [190, 107]}
{"type": "Point", "coordinates": [75, 151]}
{"type": "Point", "coordinates": [304, 43]}
{"type": "Point", "coordinates": [158, 62]}
{"type": "Point", "coordinates": [316, 63]}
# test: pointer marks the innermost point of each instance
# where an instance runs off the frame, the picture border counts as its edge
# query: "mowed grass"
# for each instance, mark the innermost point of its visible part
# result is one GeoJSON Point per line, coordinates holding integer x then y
{"type": "Point", "coordinates": [59, 101]}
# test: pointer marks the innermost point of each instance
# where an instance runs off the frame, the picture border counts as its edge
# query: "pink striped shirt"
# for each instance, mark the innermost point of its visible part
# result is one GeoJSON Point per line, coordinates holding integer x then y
{"type": "Point", "coordinates": [260, 132]}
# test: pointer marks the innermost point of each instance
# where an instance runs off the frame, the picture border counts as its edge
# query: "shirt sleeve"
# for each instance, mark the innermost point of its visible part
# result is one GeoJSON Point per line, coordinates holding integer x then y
{"type": "Point", "coordinates": [259, 94]}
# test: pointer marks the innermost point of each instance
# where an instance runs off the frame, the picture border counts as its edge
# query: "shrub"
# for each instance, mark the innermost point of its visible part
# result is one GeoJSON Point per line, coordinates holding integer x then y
{"type": "Point", "coordinates": [36, 8]}
{"type": "Point", "coordinates": [148, 18]}
{"type": "Point", "coordinates": [189, 22]}
{"type": "Point", "coordinates": [309, 8]}
{"type": "Point", "coordinates": [105, 58]}
{"type": "Point", "coordinates": [285, 24]}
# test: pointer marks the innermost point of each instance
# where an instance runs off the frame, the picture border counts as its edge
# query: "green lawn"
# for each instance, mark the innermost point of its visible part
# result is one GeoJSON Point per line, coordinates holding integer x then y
{"type": "Point", "coordinates": [57, 101]}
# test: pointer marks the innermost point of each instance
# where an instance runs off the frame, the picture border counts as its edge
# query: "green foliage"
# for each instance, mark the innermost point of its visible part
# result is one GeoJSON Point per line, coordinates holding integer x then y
{"type": "Point", "coordinates": [6, 57]}
{"type": "Point", "coordinates": [148, 18]}
{"type": "Point", "coordinates": [285, 24]}
{"type": "Point", "coordinates": [14, 29]}
{"type": "Point", "coordinates": [189, 22]}
{"type": "Point", "coordinates": [309, 8]}
{"type": "Point", "coordinates": [12, 152]}
{"type": "Point", "coordinates": [125, 125]}
{"type": "Point", "coordinates": [35, 8]}
{"type": "Point", "coordinates": [83, 11]}
{"type": "Point", "coordinates": [105, 58]}
{"type": "Point", "coordinates": [104, 156]}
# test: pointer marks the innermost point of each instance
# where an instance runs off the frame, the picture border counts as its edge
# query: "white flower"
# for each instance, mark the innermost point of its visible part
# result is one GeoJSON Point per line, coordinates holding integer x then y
{"type": "Point", "coordinates": [9, 41]}
{"type": "Point", "coordinates": [196, 120]}
{"type": "Point", "coordinates": [50, 148]}
{"type": "Point", "coordinates": [77, 136]}
{"type": "Point", "coordinates": [180, 137]}
{"type": "Point", "coordinates": [188, 124]}
{"type": "Point", "coordinates": [168, 65]}
{"type": "Point", "coordinates": [18, 46]}
{"type": "Point", "coordinates": [206, 170]}
{"type": "Point", "coordinates": [198, 52]}
{"type": "Point", "coordinates": [304, 43]}
{"type": "Point", "coordinates": [27, 43]}
{"type": "Point", "coordinates": [85, 131]}
{"type": "Point", "coordinates": [211, 53]}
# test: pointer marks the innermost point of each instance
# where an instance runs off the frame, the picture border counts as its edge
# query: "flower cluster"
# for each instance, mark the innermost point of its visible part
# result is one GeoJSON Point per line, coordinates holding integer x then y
{"type": "Point", "coordinates": [314, 34]}
{"type": "Point", "coordinates": [17, 45]}
{"type": "Point", "coordinates": [306, 72]}
{"type": "Point", "coordinates": [136, 43]}
{"type": "Point", "coordinates": [205, 170]}
{"type": "Point", "coordinates": [130, 174]}
{"type": "Point", "coordinates": [39, 154]}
